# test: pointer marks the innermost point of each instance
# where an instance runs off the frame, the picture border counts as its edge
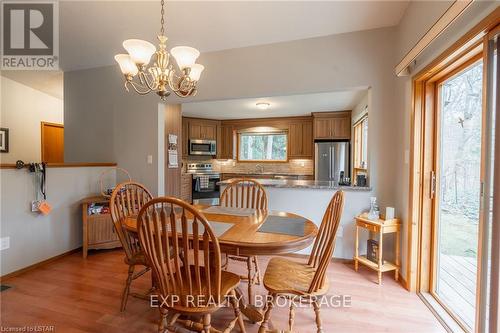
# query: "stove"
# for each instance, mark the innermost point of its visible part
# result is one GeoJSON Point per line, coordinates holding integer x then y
{"type": "Point", "coordinates": [205, 188]}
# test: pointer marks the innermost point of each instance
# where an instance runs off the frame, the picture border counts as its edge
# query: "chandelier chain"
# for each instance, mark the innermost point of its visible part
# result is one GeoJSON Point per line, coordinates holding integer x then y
{"type": "Point", "coordinates": [162, 30]}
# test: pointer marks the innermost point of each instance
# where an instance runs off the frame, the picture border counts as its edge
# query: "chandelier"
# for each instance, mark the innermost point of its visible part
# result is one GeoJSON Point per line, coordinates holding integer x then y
{"type": "Point", "coordinates": [161, 76]}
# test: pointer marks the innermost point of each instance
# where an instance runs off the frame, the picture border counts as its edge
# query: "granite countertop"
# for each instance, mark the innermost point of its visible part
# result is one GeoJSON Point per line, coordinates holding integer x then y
{"type": "Point", "coordinates": [311, 184]}
{"type": "Point", "coordinates": [266, 173]}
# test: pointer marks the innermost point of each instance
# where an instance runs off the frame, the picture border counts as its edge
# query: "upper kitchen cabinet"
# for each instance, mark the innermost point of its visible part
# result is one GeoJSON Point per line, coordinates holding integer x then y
{"type": "Point", "coordinates": [300, 137]}
{"type": "Point", "coordinates": [332, 125]}
{"type": "Point", "coordinates": [225, 143]}
{"type": "Point", "coordinates": [202, 129]}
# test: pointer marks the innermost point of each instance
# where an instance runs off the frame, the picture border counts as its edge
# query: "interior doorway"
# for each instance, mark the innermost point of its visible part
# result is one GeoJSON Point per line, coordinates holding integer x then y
{"type": "Point", "coordinates": [52, 143]}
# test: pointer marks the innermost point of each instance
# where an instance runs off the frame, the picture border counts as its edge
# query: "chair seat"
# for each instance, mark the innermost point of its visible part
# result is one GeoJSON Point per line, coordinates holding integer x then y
{"type": "Point", "coordinates": [285, 276]}
{"type": "Point", "coordinates": [229, 281]}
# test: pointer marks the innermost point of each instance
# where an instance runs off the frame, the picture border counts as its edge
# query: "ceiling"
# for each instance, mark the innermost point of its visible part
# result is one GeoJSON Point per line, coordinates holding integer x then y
{"type": "Point", "coordinates": [281, 106]}
{"type": "Point", "coordinates": [49, 82]}
{"type": "Point", "coordinates": [91, 32]}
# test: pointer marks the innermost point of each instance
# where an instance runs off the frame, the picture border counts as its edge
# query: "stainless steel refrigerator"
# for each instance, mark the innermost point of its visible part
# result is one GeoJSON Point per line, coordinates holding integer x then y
{"type": "Point", "coordinates": [331, 159]}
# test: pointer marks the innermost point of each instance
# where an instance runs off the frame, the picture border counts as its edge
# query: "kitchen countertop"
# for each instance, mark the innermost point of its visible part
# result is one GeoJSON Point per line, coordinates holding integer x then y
{"type": "Point", "coordinates": [311, 184]}
{"type": "Point", "coordinates": [266, 173]}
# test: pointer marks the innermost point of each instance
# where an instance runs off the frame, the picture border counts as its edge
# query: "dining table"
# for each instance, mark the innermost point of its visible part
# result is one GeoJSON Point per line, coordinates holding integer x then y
{"type": "Point", "coordinates": [253, 232]}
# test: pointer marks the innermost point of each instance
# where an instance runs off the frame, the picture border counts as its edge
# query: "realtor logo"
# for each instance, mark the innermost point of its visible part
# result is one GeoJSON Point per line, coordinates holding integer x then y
{"type": "Point", "coordinates": [30, 35]}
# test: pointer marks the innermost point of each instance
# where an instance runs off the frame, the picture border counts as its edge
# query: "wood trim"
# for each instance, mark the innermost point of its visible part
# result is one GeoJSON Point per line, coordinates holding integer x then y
{"type": "Point", "coordinates": [495, 241]}
{"type": "Point", "coordinates": [39, 264]}
{"type": "Point", "coordinates": [450, 15]}
{"type": "Point", "coordinates": [331, 114]}
{"type": "Point", "coordinates": [418, 178]}
{"type": "Point", "coordinates": [463, 43]}
{"type": "Point", "coordinates": [65, 165]}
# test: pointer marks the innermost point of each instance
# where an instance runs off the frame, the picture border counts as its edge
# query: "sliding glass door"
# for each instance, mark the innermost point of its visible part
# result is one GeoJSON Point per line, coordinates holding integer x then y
{"type": "Point", "coordinates": [457, 189]}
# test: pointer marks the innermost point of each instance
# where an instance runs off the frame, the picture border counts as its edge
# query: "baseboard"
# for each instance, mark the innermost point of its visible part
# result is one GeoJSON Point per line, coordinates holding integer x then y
{"type": "Point", "coordinates": [38, 264]}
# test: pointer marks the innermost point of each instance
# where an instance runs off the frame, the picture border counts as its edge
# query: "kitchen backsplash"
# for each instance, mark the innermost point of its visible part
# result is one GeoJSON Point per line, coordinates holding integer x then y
{"type": "Point", "coordinates": [297, 167]}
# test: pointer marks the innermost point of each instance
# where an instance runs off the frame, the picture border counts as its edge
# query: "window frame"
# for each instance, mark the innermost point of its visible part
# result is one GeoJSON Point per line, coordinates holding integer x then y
{"type": "Point", "coordinates": [238, 140]}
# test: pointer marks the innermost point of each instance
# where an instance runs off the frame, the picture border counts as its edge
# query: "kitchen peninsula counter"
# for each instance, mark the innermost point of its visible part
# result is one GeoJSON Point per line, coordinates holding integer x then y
{"type": "Point", "coordinates": [303, 184]}
{"type": "Point", "coordinates": [309, 198]}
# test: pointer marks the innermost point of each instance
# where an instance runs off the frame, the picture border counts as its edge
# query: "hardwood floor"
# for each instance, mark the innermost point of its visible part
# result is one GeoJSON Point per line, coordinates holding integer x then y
{"type": "Point", "coordinates": [77, 295]}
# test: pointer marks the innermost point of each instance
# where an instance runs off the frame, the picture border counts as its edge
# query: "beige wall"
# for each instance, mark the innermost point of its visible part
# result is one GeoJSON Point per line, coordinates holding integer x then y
{"type": "Point", "coordinates": [22, 109]}
{"type": "Point", "coordinates": [34, 237]}
{"type": "Point", "coordinates": [339, 62]}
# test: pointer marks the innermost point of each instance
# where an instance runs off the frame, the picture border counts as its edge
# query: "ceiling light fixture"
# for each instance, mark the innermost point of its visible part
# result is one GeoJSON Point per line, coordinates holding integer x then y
{"type": "Point", "coordinates": [161, 76]}
{"type": "Point", "coordinates": [263, 106]}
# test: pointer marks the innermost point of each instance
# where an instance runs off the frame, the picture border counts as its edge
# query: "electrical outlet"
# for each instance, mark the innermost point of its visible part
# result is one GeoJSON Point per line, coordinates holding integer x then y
{"type": "Point", "coordinates": [34, 205]}
{"type": "Point", "coordinates": [4, 243]}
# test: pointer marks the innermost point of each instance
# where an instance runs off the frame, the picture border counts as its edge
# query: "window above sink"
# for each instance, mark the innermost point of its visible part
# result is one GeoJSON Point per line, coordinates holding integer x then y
{"type": "Point", "coordinates": [263, 146]}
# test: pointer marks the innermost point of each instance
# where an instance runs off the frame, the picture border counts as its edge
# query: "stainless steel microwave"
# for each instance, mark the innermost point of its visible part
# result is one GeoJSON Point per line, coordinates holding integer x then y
{"type": "Point", "coordinates": [202, 147]}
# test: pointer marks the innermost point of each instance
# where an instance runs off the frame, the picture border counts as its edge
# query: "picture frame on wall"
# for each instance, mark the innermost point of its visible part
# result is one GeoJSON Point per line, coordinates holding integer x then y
{"type": "Point", "coordinates": [4, 140]}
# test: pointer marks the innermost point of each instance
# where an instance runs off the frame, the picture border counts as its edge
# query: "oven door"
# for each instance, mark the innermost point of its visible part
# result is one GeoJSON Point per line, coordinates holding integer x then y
{"type": "Point", "coordinates": [202, 147]}
{"type": "Point", "coordinates": [206, 193]}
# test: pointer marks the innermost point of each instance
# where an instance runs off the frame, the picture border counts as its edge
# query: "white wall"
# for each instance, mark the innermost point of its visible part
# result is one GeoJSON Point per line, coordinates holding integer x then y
{"type": "Point", "coordinates": [22, 109]}
{"type": "Point", "coordinates": [34, 237]}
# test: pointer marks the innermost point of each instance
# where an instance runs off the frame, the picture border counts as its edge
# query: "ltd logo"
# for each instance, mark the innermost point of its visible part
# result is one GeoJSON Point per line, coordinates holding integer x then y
{"type": "Point", "coordinates": [30, 35]}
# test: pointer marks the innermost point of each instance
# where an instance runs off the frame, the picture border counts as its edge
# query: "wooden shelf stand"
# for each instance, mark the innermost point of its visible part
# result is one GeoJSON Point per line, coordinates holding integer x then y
{"type": "Point", "coordinates": [379, 227]}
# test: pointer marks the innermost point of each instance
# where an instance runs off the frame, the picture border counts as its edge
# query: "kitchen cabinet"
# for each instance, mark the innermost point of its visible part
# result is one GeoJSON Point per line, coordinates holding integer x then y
{"type": "Point", "coordinates": [202, 129]}
{"type": "Point", "coordinates": [185, 138]}
{"type": "Point", "coordinates": [198, 129]}
{"type": "Point", "coordinates": [332, 125]}
{"type": "Point", "coordinates": [300, 136]}
{"type": "Point", "coordinates": [225, 143]}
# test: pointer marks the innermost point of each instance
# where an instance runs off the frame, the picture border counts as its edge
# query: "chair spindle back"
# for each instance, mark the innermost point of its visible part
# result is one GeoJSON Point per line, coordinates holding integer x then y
{"type": "Point", "coordinates": [324, 244]}
{"type": "Point", "coordinates": [244, 193]}
{"type": "Point", "coordinates": [127, 199]}
{"type": "Point", "coordinates": [171, 228]}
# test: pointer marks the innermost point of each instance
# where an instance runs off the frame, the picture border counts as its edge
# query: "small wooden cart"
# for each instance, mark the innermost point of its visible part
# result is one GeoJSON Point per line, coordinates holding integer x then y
{"type": "Point", "coordinates": [98, 229]}
{"type": "Point", "coordinates": [379, 227]}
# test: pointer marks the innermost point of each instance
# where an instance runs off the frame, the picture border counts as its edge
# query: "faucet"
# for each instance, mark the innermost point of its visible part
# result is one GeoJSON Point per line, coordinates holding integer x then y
{"type": "Point", "coordinates": [259, 168]}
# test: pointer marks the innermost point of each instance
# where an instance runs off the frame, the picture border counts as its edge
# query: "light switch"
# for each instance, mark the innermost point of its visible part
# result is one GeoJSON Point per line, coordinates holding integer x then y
{"type": "Point", "coordinates": [407, 156]}
{"type": "Point", "coordinates": [150, 159]}
{"type": "Point", "coordinates": [4, 243]}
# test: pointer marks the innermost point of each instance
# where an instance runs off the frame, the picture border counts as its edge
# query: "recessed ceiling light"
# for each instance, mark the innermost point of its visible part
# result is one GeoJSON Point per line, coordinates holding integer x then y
{"type": "Point", "coordinates": [263, 106]}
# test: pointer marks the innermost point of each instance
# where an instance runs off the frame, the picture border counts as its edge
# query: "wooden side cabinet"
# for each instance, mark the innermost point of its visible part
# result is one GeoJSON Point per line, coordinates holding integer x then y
{"type": "Point", "coordinates": [98, 230]}
{"type": "Point", "coordinates": [379, 227]}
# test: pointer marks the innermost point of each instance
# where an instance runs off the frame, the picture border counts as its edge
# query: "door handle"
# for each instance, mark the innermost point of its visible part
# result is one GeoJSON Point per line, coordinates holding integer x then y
{"type": "Point", "coordinates": [432, 189]}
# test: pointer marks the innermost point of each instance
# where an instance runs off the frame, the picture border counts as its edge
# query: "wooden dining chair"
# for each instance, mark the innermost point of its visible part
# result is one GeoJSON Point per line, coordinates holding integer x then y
{"type": "Point", "coordinates": [126, 201]}
{"type": "Point", "coordinates": [307, 280]}
{"type": "Point", "coordinates": [245, 193]}
{"type": "Point", "coordinates": [193, 284]}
